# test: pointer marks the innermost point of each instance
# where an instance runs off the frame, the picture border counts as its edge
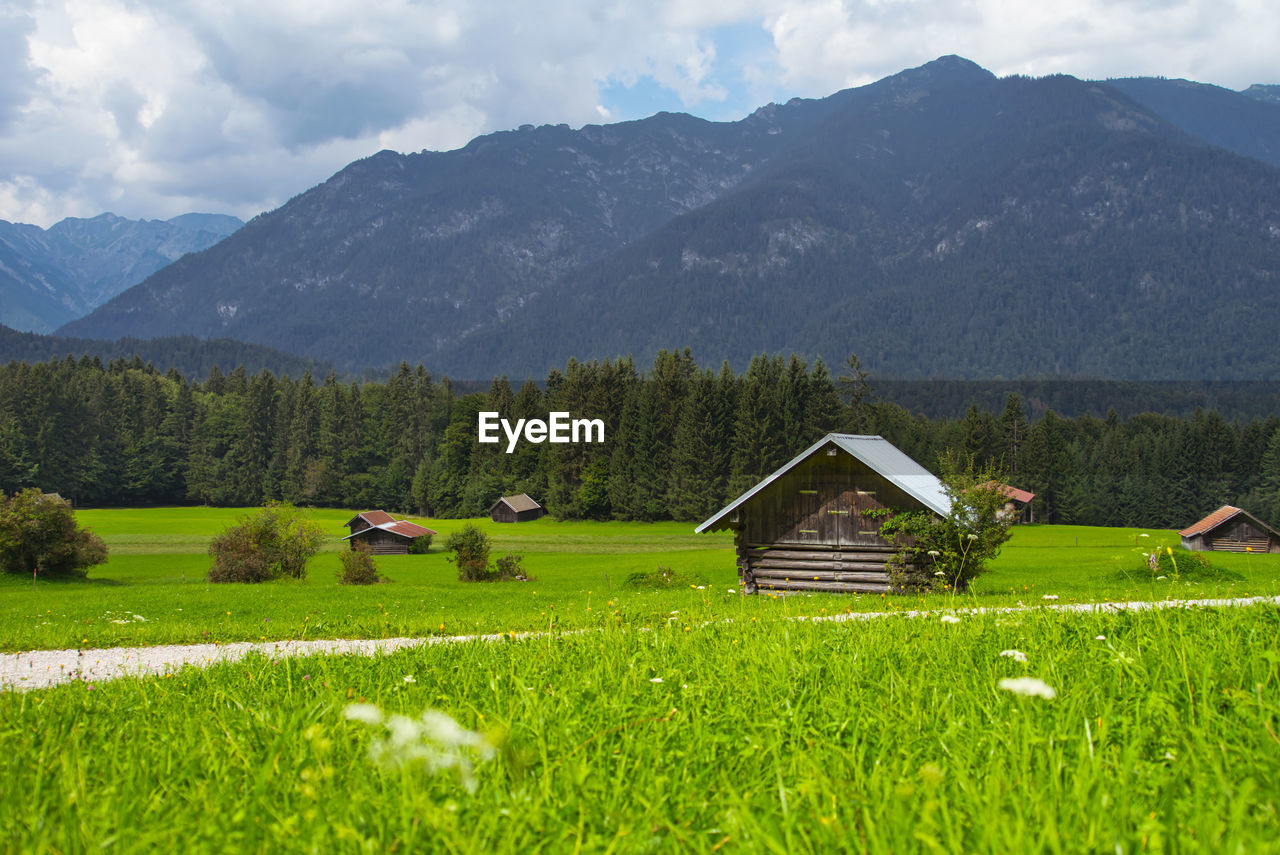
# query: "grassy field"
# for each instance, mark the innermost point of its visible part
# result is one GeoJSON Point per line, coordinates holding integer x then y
{"type": "Point", "coordinates": [152, 591]}
{"type": "Point", "coordinates": [692, 719]}
{"type": "Point", "coordinates": [750, 735]}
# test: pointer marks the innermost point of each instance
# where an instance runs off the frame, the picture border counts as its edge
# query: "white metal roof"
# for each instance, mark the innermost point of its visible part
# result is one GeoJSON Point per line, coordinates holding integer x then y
{"type": "Point", "coordinates": [876, 452]}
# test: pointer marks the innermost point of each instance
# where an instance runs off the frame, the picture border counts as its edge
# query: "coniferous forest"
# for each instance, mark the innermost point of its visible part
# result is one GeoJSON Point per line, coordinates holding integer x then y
{"type": "Point", "coordinates": [680, 442]}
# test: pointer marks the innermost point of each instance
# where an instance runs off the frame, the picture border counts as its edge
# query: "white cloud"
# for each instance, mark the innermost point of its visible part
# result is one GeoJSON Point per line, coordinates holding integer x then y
{"type": "Point", "coordinates": [155, 107]}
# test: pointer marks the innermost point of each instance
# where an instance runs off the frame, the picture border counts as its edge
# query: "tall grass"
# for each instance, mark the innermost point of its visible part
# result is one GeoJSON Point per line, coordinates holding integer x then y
{"type": "Point", "coordinates": [752, 735]}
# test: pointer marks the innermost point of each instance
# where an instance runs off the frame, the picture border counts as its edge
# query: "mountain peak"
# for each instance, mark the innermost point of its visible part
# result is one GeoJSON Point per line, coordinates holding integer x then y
{"type": "Point", "coordinates": [949, 66]}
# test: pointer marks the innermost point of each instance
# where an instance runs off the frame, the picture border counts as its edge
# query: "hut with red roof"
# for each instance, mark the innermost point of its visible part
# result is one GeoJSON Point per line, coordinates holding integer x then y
{"type": "Point", "coordinates": [383, 533]}
{"type": "Point", "coordinates": [1230, 529]}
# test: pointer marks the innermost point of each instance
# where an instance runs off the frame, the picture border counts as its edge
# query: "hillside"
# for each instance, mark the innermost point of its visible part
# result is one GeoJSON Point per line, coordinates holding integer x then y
{"type": "Point", "coordinates": [1235, 121]}
{"type": "Point", "coordinates": [48, 277]}
{"type": "Point", "coordinates": [189, 356]}
{"type": "Point", "coordinates": [940, 222]}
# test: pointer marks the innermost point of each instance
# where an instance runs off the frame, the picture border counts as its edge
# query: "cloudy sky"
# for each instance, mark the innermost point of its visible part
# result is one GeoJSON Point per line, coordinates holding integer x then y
{"type": "Point", "coordinates": [151, 108]}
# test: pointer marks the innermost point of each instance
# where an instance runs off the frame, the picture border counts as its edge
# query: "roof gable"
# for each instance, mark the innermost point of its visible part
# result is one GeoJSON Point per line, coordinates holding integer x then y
{"type": "Point", "coordinates": [1217, 518]}
{"type": "Point", "coordinates": [876, 452]}
{"type": "Point", "coordinates": [519, 503]}
{"type": "Point", "coordinates": [403, 528]}
{"type": "Point", "coordinates": [373, 518]}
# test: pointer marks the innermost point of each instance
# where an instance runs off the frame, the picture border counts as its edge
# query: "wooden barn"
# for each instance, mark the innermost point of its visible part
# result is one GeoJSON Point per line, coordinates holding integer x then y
{"type": "Point", "coordinates": [519, 508]}
{"type": "Point", "coordinates": [383, 533]}
{"type": "Point", "coordinates": [1229, 529]}
{"type": "Point", "coordinates": [1019, 505]}
{"type": "Point", "coordinates": [804, 527]}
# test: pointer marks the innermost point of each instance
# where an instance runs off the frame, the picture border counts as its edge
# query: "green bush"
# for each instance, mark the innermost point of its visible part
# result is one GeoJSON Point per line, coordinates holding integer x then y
{"type": "Point", "coordinates": [508, 567]}
{"type": "Point", "coordinates": [274, 541]}
{"type": "Point", "coordinates": [1185, 565]}
{"type": "Point", "coordinates": [663, 577]}
{"type": "Point", "coordinates": [358, 567]}
{"type": "Point", "coordinates": [470, 548]}
{"type": "Point", "coordinates": [420, 545]}
{"type": "Point", "coordinates": [39, 537]}
{"type": "Point", "coordinates": [947, 553]}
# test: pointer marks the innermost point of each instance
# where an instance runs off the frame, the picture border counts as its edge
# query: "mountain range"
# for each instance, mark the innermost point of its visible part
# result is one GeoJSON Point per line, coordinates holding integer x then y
{"type": "Point", "coordinates": [49, 277]}
{"type": "Point", "coordinates": [939, 222]}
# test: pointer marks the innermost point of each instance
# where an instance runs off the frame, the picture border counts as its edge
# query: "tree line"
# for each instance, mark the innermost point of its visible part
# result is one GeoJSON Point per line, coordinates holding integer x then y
{"type": "Point", "coordinates": [681, 441]}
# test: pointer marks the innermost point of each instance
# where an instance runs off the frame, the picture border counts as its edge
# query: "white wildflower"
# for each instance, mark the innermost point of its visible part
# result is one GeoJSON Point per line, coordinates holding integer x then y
{"type": "Point", "coordinates": [655, 679]}
{"type": "Point", "coordinates": [933, 553]}
{"type": "Point", "coordinates": [1161, 578]}
{"type": "Point", "coordinates": [939, 573]}
{"type": "Point", "coordinates": [1144, 534]}
{"type": "Point", "coordinates": [949, 619]}
{"type": "Point", "coordinates": [1015, 655]}
{"type": "Point", "coordinates": [1099, 638]}
{"type": "Point", "coordinates": [409, 678]}
{"type": "Point", "coordinates": [367, 713]}
{"type": "Point", "coordinates": [434, 739]}
{"type": "Point", "coordinates": [1049, 597]}
{"type": "Point", "coordinates": [973, 537]}
{"type": "Point", "coordinates": [733, 590]}
{"type": "Point", "coordinates": [1031, 687]}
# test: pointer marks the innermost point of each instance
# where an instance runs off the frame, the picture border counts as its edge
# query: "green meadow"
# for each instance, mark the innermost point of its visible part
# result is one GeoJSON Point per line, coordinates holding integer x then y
{"type": "Point", "coordinates": [688, 719]}
{"type": "Point", "coordinates": [152, 590]}
{"type": "Point", "coordinates": [748, 735]}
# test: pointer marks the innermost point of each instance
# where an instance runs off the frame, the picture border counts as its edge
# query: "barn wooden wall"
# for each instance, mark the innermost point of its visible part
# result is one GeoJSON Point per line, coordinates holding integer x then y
{"type": "Point", "coordinates": [808, 530]}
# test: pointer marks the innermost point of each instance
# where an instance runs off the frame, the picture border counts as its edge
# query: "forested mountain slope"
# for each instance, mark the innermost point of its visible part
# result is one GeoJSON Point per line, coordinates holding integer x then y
{"type": "Point", "coordinates": [938, 222]}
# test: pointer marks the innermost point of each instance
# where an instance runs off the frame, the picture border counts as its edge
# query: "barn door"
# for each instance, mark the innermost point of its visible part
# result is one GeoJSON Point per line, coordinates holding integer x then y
{"type": "Point", "coordinates": [854, 527]}
{"type": "Point", "coordinates": [809, 526]}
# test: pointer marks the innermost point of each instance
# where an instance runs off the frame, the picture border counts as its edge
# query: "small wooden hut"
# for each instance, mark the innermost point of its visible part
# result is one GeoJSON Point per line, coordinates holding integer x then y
{"type": "Point", "coordinates": [805, 527]}
{"type": "Point", "coordinates": [1230, 529]}
{"type": "Point", "coordinates": [1019, 505]}
{"type": "Point", "coordinates": [383, 533]}
{"type": "Point", "coordinates": [519, 508]}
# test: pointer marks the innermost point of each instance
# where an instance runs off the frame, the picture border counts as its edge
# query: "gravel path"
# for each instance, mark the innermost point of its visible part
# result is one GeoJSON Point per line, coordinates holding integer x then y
{"type": "Point", "coordinates": [38, 669]}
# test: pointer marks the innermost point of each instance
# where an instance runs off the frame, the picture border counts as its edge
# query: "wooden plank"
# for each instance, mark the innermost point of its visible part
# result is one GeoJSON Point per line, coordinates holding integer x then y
{"type": "Point", "coordinates": [825, 547]}
{"type": "Point", "coordinates": [829, 587]}
{"type": "Point", "coordinates": [814, 555]}
{"type": "Point", "coordinates": [773, 576]}
{"type": "Point", "coordinates": [806, 566]}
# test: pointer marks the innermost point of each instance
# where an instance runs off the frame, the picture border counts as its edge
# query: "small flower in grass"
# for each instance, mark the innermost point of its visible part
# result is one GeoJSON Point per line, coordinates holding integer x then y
{"type": "Point", "coordinates": [367, 713]}
{"type": "Point", "coordinates": [434, 739]}
{"type": "Point", "coordinates": [1031, 687]}
{"type": "Point", "coordinates": [939, 573]}
{"type": "Point", "coordinates": [949, 619]}
{"type": "Point", "coordinates": [933, 553]}
{"type": "Point", "coordinates": [973, 537]}
{"type": "Point", "coordinates": [1049, 597]}
{"type": "Point", "coordinates": [306, 677]}
{"type": "Point", "coordinates": [732, 590]}
{"type": "Point", "coordinates": [1099, 638]}
{"type": "Point", "coordinates": [1161, 578]}
{"type": "Point", "coordinates": [655, 679]}
{"type": "Point", "coordinates": [1015, 655]}
{"type": "Point", "coordinates": [1144, 534]}
{"type": "Point", "coordinates": [409, 678]}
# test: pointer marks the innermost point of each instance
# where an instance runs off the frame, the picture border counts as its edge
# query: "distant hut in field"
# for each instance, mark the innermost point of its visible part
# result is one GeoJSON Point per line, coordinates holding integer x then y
{"type": "Point", "coordinates": [1230, 529]}
{"type": "Point", "coordinates": [805, 527]}
{"type": "Point", "coordinates": [519, 508]}
{"type": "Point", "coordinates": [383, 533]}
{"type": "Point", "coordinates": [1019, 505]}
